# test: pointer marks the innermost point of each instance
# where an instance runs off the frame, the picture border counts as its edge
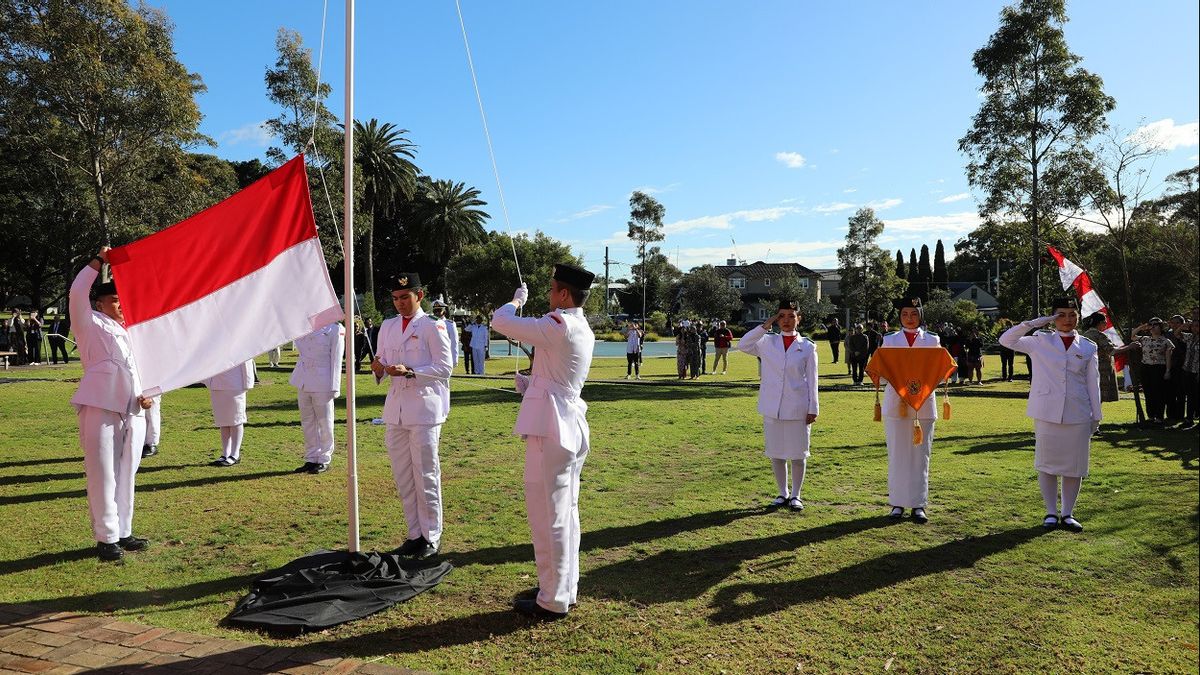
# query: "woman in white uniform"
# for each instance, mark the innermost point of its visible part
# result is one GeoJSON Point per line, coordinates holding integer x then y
{"type": "Point", "coordinates": [787, 398]}
{"type": "Point", "coordinates": [1064, 402]}
{"type": "Point", "coordinates": [227, 391]}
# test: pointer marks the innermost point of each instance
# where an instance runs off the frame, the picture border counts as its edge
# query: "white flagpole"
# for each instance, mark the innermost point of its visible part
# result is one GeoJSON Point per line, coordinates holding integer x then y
{"type": "Point", "coordinates": [348, 301]}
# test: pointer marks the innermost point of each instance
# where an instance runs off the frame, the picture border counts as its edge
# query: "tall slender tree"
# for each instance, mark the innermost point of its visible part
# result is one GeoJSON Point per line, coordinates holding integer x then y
{"type": "Point", "coordinates": [645, 227]}
{"type": "Point", "coordinates": [900, 273]}
{"type": "Point", "coordinates": [941, 278]}
{"type": "Point", "coordinates": [924, 273]}
{"type": "Point", "coordinates": [868, 278]}
{"type": "Point", "coordinates": [913, 279]}
{"type": "Point", "coordinates": [1028, 143]}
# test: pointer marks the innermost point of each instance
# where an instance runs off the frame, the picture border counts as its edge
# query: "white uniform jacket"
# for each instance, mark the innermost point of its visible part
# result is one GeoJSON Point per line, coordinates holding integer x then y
{"type": "Point", "coordinates": [891, 400]}
{"type": "Point", "coordinates": [788, 390]}
{"type": "Point", "coordinates": [319, 367]}
{"type": "Point", "coordinates": [480, 335]}
{"type": "Point", "coordinates": [110, 377]}
{"type": "Point", "coordinates": [237, 378]}
{"type": "Point", "coordinates": [425, 349]}
{"type": "Point", "coordinates": [551, 406]}
{"type": "Point", "coordinates": [1066, 382]}
{"type": "Point", "coordinates": [452, 331]}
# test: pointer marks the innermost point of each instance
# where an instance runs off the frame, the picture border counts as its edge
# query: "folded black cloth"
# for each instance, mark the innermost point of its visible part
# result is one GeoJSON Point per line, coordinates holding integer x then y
{"type": "Point", "coordinates": [327, 588]}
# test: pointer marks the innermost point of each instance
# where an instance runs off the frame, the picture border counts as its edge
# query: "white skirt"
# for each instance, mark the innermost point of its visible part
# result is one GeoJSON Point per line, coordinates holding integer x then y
{"type": "Point", "coordinates": [908, 464]}
{"type": "Point", "coordinates": [786, 439]}
{"type": "Point", "coordinates": [1062, 449]}
{"type": "Point", "coordinates": [229, 407]}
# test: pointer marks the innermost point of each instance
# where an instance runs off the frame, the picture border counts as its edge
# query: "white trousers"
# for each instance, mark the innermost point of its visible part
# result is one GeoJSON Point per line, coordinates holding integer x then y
{"type": "Point", "coordinates": [908, 464]}
{"type": "Point", "coordinates": [477, 359]}
{"type": "Point", "coordinates": [316, 420]}
{"type": "Point", "coordinates": [413, 451]}
{"type": "Point", "coordinates": [552, 500]}
{"type": "Point", "coordinates": [154, 422]}
{"type": "Point", "coordinates": [273, 357]}
{"type": "Point", "coordinates": [112, 451]}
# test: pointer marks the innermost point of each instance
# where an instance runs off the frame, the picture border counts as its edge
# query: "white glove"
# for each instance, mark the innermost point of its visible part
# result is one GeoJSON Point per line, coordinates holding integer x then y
{"type": "Point", "coordinates": [1095, 426]}
{"type": "Point", "coordinates": [1042, 321]}
{"type": "Point", "coordinates": [521, 295]}
{"type": "Point", "coordinates": [520, 382]}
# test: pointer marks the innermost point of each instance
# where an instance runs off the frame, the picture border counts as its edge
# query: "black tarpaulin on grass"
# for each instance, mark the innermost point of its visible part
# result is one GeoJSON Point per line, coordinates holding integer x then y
{"type": "Point", "coordinates": [328, 588]}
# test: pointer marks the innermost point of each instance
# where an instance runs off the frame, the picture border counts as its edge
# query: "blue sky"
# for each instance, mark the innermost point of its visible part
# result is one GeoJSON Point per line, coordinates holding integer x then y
{"type": "Point", "coordinates": [766, 123]}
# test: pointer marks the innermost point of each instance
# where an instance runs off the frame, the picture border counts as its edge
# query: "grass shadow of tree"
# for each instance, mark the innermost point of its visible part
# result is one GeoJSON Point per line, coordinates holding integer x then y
{"type": "Point", "coordinates": [151, 487]}
{"type": "Point", "coordinates": [1181, 446]}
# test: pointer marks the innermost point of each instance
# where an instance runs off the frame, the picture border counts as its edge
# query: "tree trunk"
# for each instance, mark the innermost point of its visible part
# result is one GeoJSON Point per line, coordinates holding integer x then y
{"type": "Point", "coordinates": [369, 285]}
{"type": "Point", "coordinates": [1035, 261]}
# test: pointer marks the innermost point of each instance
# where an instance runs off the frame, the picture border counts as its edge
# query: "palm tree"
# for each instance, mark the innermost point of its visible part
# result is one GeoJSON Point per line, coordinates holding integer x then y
{"type": "Point", "coordinates": [383, 155]}
{"type": "Point", "coordinates": [449, 219]}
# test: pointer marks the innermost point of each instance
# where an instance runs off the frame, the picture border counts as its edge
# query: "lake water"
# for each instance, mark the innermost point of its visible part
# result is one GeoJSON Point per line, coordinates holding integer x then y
{"type": "Point", "coordinates": [607, 349]}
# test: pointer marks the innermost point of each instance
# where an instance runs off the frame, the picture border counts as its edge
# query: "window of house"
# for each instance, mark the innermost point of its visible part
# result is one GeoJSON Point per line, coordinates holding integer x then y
{"type": "Point", "coordinates": [766, 282]}
{"type": "Point", "coordinates": [804, 282]}
{"type": "Point", "coordinates": [737, 282]}
{"type": "Point", "coordinates": [762, 312]}
{"type": "Point", "coordinates": [974, 293]}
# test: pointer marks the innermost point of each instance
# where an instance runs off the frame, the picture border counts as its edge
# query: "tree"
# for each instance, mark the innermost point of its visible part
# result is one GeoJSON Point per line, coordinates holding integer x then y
{"type": "Point", "coordinates": [1008, 241]}
{"type": "Point", "coordinates": [645, 226]}
{"type": "Point", "coordinates": [812, 311]}
{"type": "Point", "coordinates": [448, 220]}
{"type": "Point", "coordinates": [1028, 143]}
{"type": "Point", "coordinates": [705, 293]}
{"type": "Point", "coordinates": [654, 284]}
{"type": "Point", "coordinates": [900, 273]}
{"type": "Point", "coordinates": [484, 275]}
{"type": "Point", "coordinates": [941, 278]}
{"type": "Point", "coordinates": [914, 281]}
{"type": "Point", "coordinates": [940, 309]}
{"type": "Point", "coordinates": [868, 277]}
{"type": "Point", "coordinates": [96, 85]}
{"type": "Point", "coordinates": [381, 156]}
{"type": "Point", "coordinates": [924, 273]}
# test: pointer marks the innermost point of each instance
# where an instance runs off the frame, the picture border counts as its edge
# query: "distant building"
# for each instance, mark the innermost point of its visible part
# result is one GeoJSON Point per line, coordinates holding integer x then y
{"type": "Point", "coordinates": [753, 284]}
{"type": "Point", "coordinates": [830, 285]}
{"type": "Point", "coordinates": [987, 303]}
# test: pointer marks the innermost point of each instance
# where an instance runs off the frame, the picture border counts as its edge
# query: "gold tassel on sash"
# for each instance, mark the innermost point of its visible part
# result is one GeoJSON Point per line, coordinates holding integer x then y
{"type": "Point", "coordinates": [917, 435]}
{"type": "Point", "coordinates": [945, 400]}
{"type": "Point", "coordinates": [878, 408]}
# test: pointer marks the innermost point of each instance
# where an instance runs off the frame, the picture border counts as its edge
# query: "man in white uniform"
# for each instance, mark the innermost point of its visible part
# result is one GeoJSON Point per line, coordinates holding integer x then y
{"type": "Point", "coordinates": [480, 336]}
{"type": "Point", "coordinates": [554, 425]}
{"type": "Point", "coordinates": [227, 392]}
{"type": "Point", "coordinates": [908, 462]}
{"type": "Point", "coordinates": [413, 349]}
{"type": "Point", "coordinates": [318, 380]}
{"type": "Point", "coordinates": [110, 409]}
{"type": "Point", "coordinates": [441, 311]}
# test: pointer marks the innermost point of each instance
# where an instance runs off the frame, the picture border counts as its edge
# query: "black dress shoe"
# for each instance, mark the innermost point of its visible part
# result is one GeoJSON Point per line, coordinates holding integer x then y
{"type": "Point", "coordinates": [307, 468]}
{"type": "Point", "coordinates": [1069, 523]}
{"type": "Point", "coordinates": [132, 543]}
{"type": "Point", "coordinates": [317, 467]}
{"type": "Point", "coordinates": [149, 450]}
{"type": "Point", "coordinates": [919, 517]}
{"type": "Point", "coordinates": [108, 552]}
{"type": "Point", "coordinates": [411, 547]}
{"type": "Point", "coordinates": [532, 593]}
{"type": "Point", "coordinates": [530, 608]}
{"type": "Point", "coordinates": [427, 552]}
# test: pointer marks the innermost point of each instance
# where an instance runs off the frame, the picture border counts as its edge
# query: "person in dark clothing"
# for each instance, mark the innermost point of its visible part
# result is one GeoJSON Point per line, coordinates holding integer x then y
{"type": "Point", "coordinates": [833, 332]}
{"type": "Point", "coordinates": [1176, 389]}
{"type": "Point", "coordinates": [60, 329]}
{"type": "Point", "coordinates": [1007, 356]}
{"type": "Point", "coordinates": [874, 339]}
{"type": "Point", "coordinates": [857, 352]}
{"type": "Point", "coordinates": [464, 339]}
{"type": "Point", "coordinates": [703, 347]}
{"type": "Point", "coordinates": [33, 333]}
{"type": "Point", "coordinates": [973, 355]}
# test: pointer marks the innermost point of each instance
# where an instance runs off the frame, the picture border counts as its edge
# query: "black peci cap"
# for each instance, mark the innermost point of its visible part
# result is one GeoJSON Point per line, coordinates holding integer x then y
{"type": "Point", "coordinates": [909, 302]}
{"type": "Point", "coordinates": [573, 276]}
{"type": "Point", "coordinates": [1064, 303]}
{"type": "Point", "coordinates": [102, 289]}
{"type": "Point", "coordinates": [406, 281]}
{"type": "Point", "coordinates": [789, 304]}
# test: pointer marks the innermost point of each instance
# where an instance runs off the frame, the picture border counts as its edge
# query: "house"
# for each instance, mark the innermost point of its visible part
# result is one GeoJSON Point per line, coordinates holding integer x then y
{"type": "Point", "coordinates": [753, 284]}
{"type": "Point", "coordinates": [830, 285]}
{"type": "Point", "coordinates": [987, 303]}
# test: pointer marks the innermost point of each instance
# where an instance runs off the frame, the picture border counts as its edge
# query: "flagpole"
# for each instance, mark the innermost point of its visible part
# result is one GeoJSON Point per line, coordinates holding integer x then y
{"type": "Point", "coordinates": [348, 284]}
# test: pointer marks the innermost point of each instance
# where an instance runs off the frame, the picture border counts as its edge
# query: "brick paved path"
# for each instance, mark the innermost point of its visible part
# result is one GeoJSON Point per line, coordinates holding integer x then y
{"type": "Point", "coordinates": [33, 640]}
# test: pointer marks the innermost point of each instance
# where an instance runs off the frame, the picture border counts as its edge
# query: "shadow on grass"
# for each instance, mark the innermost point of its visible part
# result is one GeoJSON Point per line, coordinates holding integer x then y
{"type": "Point", "coordinates": [1020, 442]}
{"type": "Point", "coordinates": [1174, 445]}
{"type": "Point", "coordinates": [738, 602]}
{"type": "Point", "coordinates": [152, 487]}
{"type": "Point", "coordinates": [47, 477]}
{"type": "Point", "coordinates": [424, 637]}
{"type": "Point", "coordinates": [195, 594]}
{"type": "Point", "coordinates": [39, 462]}
{"type": "Point", "coordinates": [609, 537]}
{"type": "Point", "coordinates": [691, 573]}
{"type": "Point", "coordinates": [43, 559]}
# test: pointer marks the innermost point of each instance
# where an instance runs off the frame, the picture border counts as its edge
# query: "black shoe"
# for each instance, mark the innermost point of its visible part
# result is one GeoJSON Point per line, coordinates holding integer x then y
{"type": "Point", "coordinates": [411, 547]}
{"type": "Point", "coordinates": [1050, 521]}
{"type": "Point", "coordinates": [531, 594]}
{"type": "Point", "coordinates": [226, 461]}
{"type": "Point", "coordinates": [108, 552]}
{"type": "Point", "coordinates": [307, 468]}
{"type": "Point", "coordinates": [132, 543]}
{"type": "Point", "coordinates": [897, 513]}
{"type": "Point", "coordinates": [1068, 522]}
{"type": "Point", "coordinates": [919, 517]}
{"type": "Point", "coordinates": [317, 468]}
{"type": "Point", "coordinates": [530, 608]}
{"type": "Point", "coordinates": [149, 450]}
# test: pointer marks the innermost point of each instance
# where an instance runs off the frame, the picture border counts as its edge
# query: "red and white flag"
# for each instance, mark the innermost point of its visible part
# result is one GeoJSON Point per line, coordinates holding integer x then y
{"type": "Point", "coordinates": [227, 284]}
{"type": "Point", "coordinates": [1074, 277]}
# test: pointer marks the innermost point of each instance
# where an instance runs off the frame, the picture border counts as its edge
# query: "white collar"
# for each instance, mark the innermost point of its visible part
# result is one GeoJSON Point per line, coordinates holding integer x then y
{"type": "Point", "coordinates": [788, 333]}
{"type": "Point", "coordinates": [911, 331]}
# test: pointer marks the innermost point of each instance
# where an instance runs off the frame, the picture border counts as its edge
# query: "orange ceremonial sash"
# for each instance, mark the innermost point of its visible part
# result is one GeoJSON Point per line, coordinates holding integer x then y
{"type": "Point", "coordinates": [914, 372]}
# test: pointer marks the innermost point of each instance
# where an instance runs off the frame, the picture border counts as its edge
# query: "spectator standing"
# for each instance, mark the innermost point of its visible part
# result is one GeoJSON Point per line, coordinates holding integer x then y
{"type": "Point", "coordinates": [1191, 368]}
{"type": "Point", "coordinates": [833, 332]}
{"type": "Point", "coordinates": [722, 340]}
{"type": "Point", "coordinates": [633, 350]}
{"type": "Point", "coordinates": [1104, 350]}
{"type": "Point", "coordinates": [1007, 356]}
{"type": "Point", "coordinates": [681, 351]}
{"type": "Point", "coordinates": [1156, 350]}
{"type": "Point", "coordinates": [702, 332]}
{"type": "Point", "coordinates": [60, 330]}
{"type": "Point", "coordinates": [16, 337]}
{"type": "Point", "coordinates": [695, 356]}
{"type": "Point", "coordinates": [874, 339]}
{"type": "Point", "coordinates": [33, 332]}
{"type": "Point", "coordinates": [464, 338]}
{"type": "Point", "coordinates": [973, 353]}
{"type": "Point", "coordinates": [1176, 390]}
{"type": "Point", "coordinates": [857, 352]}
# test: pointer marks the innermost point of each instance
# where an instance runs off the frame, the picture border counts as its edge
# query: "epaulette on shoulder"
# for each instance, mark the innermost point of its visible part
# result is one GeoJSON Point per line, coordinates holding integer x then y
{"type": "Point", "coordinates": [557, 318]}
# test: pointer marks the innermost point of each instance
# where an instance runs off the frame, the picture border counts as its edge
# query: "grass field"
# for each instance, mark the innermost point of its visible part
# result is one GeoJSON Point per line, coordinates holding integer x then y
{"type": "Point", "coordinates": [682, 568]}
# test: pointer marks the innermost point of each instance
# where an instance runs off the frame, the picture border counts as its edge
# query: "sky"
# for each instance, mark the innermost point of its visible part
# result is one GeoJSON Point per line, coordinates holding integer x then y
{"type": "Point", "coordinates": [760, 126]}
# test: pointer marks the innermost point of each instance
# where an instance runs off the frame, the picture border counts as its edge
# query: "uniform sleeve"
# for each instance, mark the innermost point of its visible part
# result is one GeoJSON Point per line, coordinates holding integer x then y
{"type": "Point", "coordinates": [438, 342]}
{"type": "Point", "coordinates": [337, 353]}
{"type": "Point", "coordinates": [1015, 338]}
{"type": "Point", "coordinates": [749, 341]}
{"type": "Point", "coordinates": [79, 305]}
{"type": "Point", "coordinates": [814, 405]}
{"type": "Point", "coordinates": [540, 332]}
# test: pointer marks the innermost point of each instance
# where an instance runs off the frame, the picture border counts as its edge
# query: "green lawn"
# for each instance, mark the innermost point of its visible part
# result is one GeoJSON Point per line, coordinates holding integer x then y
{"type": "Point", "coordinates": [682, 568]}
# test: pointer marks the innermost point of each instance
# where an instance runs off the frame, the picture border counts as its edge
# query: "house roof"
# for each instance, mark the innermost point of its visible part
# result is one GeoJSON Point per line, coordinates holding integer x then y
{"type": "Point", "coordinates": [762, 270]}
{"type": "Point", "coordinates": [959, 286]}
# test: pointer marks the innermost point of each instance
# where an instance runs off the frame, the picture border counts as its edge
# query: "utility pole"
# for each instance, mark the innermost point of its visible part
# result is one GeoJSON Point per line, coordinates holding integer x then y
{"type": "Point", "coordinates": [606, 296]}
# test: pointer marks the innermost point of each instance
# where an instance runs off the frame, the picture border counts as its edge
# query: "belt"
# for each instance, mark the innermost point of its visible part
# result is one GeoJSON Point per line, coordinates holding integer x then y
{"type": "Point", "coordinates": [546, 384]}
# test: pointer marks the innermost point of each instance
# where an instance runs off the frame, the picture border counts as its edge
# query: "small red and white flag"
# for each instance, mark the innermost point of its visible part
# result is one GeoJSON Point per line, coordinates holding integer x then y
{"type": "Point", "coordinates": [227, 284]}
{"type": "Point", "coordinates": [1074, 277]}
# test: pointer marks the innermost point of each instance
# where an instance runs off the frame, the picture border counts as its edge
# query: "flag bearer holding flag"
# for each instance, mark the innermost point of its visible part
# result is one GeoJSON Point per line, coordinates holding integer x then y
{"type": "Point", "coordinates": [553, 422]}
{"type": "Point", "coordinates": [413, 349]}
{"type": "Point", "coordinates": [111, 411]}
{"type": "Point", "coordinates": [227, 392]}
{"type": "Point", "coordinates": [318, 380]}
{"type": "Point", "coordinates": [1064, 402]}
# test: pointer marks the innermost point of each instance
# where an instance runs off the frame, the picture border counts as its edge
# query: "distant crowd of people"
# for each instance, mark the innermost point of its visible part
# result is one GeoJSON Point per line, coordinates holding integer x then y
{"type": "Point", "coordinates": [28, 335]}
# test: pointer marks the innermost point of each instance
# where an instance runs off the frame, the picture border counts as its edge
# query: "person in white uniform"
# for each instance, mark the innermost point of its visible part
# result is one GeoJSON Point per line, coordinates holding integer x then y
{"type": "Point", "coordinates": [413, 349]}
{"type": "Point", "coordinates": [153, 429]}
{"type": "Point", "coordinates": [1064, 402]}
{"type": "Point", "coordinates": [317, 378]}
{"type": "Point", "coordinates": [110, 409]}
{"type": "Point", "coordinates": [441, 312]}
{"type": "Point", "coordinates": [908, 462]}
{"type": "Point", "coordinates": [787, 398]}
{"type": "Point", "coordinates": [480, 336]}
{"type": "Point", "coordinates": [553, 422]}
{"type": "Point", "coordinates": [227, 393]}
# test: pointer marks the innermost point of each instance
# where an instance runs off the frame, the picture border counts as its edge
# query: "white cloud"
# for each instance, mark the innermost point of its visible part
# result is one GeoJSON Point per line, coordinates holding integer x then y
{"type": "Point", "coordinates": [586, 213]}
{"type": "Point", "coordinates": [254, 133]}
{"type": "Point", "coordinates": [792, 160]}
{"type": "Point", "coordinates": [953, 223]}
{"type": "Point", "coordinates": [849, 190]}
{"type": "Point", "coordinates": [725, 221]}
{"type": "Point", "coordinates": [882, 204]}
{"type": "Point", "coordinates": [834, 207]}
{"type": "Point", "coordinates": [651, 190]}
{"type": "Point", "coordinates": [1167, 135]}
{"type": "Point", "coordinates": [955, 198]}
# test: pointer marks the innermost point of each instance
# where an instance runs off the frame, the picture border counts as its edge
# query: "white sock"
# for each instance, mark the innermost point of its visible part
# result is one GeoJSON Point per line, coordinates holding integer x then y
{"type": "Point", "coordinates": [1048, 482]}
{"type": "Point", "coordinates": [779, 466]}
{"type": "Point", "coordinates": [1070, 492]}
{"type": "Point", "coordinates": [235, 440]}
{"type": "Point", "coordinates": [797, 476]}
{"type": "Point", "coordinates": [225, 441]}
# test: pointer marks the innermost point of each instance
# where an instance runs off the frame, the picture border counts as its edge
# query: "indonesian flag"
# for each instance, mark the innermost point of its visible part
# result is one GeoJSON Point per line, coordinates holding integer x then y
{"type": "Point", "coordinates": [227, 284]}
{"type": "Point", "coordinates": [1073, 276]}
